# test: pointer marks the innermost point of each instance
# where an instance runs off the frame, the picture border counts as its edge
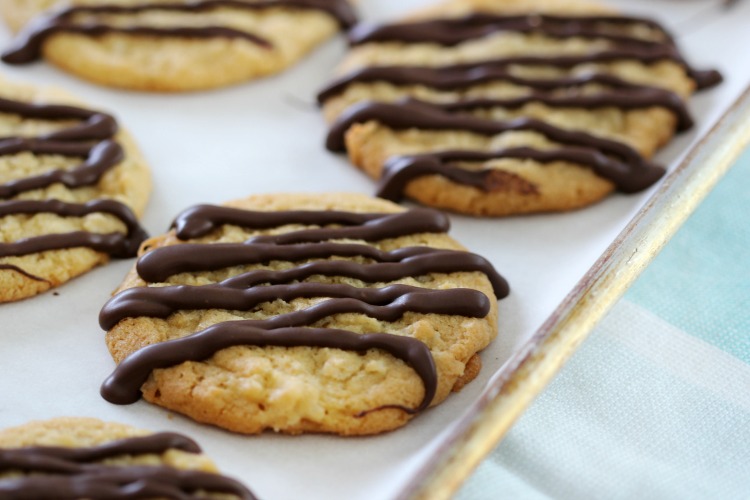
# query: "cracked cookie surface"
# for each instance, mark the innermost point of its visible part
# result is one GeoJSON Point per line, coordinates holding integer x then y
{"type": "Point", "coordinates": [576, 67]}
{"type": "Point", "coordinates": [346, 315]}
{"type": "Point", "coordinates": [71, 186]}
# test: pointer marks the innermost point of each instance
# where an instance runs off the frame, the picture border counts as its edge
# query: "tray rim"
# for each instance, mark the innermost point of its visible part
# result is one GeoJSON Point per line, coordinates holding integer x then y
{"type": "Point", "coordinates": [527, 373]}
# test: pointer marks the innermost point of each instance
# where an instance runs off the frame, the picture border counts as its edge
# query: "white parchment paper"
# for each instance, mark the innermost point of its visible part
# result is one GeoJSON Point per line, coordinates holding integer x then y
{"type": "Point", "coordinates": [267, 137]}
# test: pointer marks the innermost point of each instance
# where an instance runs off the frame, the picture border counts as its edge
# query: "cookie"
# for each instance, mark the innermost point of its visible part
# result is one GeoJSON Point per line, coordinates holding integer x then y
{"type": "Point", "coordinates": [72, 185]}
{"type": "Point", "coordinates": [300, 313]}
{"type": "Point", "coordinates": [514, 106]}
{"type": "Point", "coordinates": [171, 46]}
{"type": "Point", "coordinates": [87, 458]}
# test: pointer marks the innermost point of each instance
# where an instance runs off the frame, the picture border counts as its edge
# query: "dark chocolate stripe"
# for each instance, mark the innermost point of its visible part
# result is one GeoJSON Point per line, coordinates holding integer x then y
{"type": "Point", "coordinates": [10, 267]}
{"type": "Point", "coordinates": [70, 474]}
{"type": "Point", "coordinates": [622, 99]}
{"type": "Point", "coordinates": [114, 244]}
{"type": "Point", "coordinates": [96, 126]}
{"type": "Point", "coordinates": [467, 74]}
{"type": "Point", "coordinates": [703, 78]}
{"type": "Point", "coordinates": [476, 303]}
{"type": "Point", "coordinates": [461, 77]}
{"type": "Point", "coordinates": [120, 482]}
{"type": "Point", "coordinates": [452, 31]}
{"type": "Point", "coordinates": [413, 114]}
{"type": "Point", "coordinates": [123, 386]}
{"type": "Point", "coordinates": [624, 95]}
{"type": "Point", "coordinates": [416, 221]}
{"type": "Point", "coordinates": [243, 293]}
{"type": "Point", "coordinates": [339, 9]}
{"type": "Point", "coordinates": [400, 170]}
{"type": "Point", "coordinates": [73, 141]}
{"type": "Point", "coordinates": [99, 160]}
{"type": "Point", "coordinates": [200, 220]}
{"type": "Point", "coordinates": [158, 265]}
{"type": "Point", "coordinates": [415, 262]}
{"type": "Point", "coordinates": [385, 304]}
{"type": "Point", "coordinates": [142, 445]}
{"type": "Point", "coordinates": [115, 483]}
{"type": "Point", "coordinates": [117, 245]}
{"type": "Point", "coordinates": [28, 46]}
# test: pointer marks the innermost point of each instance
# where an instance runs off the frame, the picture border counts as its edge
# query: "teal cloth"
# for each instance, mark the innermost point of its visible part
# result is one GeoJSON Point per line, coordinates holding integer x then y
{"type": "Point", "coordinates": [701, 281]}
{"type": "Point", "coordinates": [656, 403]}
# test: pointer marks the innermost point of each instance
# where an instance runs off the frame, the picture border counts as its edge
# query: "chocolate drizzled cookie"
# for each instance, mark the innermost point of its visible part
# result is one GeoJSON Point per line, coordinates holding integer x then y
{"type": "Point", "coordinates": [71, 185]}
{"type": "Point", "coordinates": [329, 313]}
{"type": "Point", "coordinates": [72, 458]}
{"type": "Point", "coordinates": [496, 108]}
{"type": "Point", "coordinates": [172, 45]}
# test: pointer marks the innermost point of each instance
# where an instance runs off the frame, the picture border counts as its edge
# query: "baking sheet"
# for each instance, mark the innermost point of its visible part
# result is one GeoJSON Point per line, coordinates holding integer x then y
{"type": "Point", "coordinates": [267, 137]}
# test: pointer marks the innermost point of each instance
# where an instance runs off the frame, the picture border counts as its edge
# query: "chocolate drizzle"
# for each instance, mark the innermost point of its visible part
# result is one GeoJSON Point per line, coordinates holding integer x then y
{"type": "Point", "coordinates": [703, 78]}
{"type": "Point", "coordinates": [200, 220]}
{"type": "Point", "coordinates": [400, 170]}
{"type": "Point", "coordinates": [636, 99]}
{"type": "Point", "coordinates": [142, 445]}
{"type": "Point", "coordinates": [96, 125]}
{"type": "Point", "coordinates": [385, 226]}
{"type": "Point", "coordinates": [91, 140]}
{"type": "Point", "coordinates": [623, 95]}
{"type": "Point", "coordinates": [385, 304]}
{"type": "Point", "coordinates": [72, 473]}
{"type": "Point", "coordinates": [397, 264]}
{"type": "Point", "coordinates": [409, 113]}
{"type": "Point", "coordinates": [9, 267]}
{"type": "Point", "coordinates": [612, 160]}
{"type": "Point", "coordinates": [454, 31]}
{"type": "Point", "coordinates": [246, 291]}
{"type": "Point", "coordinates": [100, 158]}
{"type": "Point", "coordinates": [117, 245]}
{"type": "Point", "coordinates": [28, 46]}
{"type": "Point", "coordinates": [122, 387]}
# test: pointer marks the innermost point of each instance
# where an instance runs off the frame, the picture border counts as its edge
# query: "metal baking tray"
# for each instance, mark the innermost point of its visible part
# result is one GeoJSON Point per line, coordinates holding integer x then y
{"type": "Point", "coordinates": [566, 270]}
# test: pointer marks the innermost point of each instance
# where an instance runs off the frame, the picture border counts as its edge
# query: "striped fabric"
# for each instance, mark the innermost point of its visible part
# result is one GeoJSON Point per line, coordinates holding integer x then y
{"type": "Point", "coordinates": [656, 403]}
